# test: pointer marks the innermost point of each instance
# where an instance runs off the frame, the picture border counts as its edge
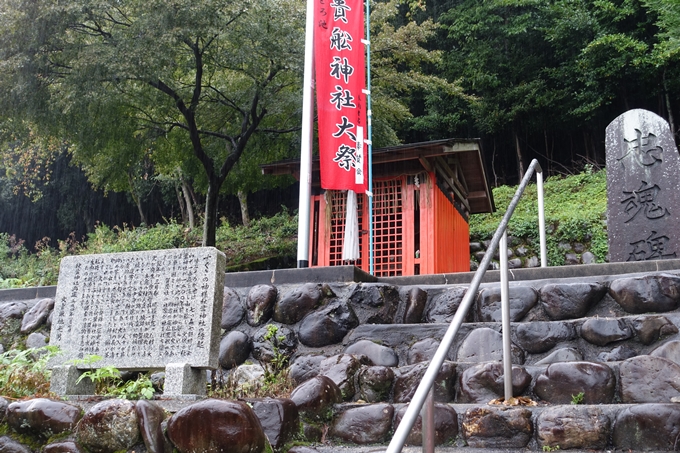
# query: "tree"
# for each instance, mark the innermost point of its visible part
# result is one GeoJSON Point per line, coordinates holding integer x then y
{"type": "Point", "coordinates": [401, 68]}
{"type": "Point", "coordinates": [117, 78]}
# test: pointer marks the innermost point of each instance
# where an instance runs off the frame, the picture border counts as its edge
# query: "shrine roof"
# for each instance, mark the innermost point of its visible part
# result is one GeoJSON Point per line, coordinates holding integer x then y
{"type": "Point", "coordinates": [457, 161]}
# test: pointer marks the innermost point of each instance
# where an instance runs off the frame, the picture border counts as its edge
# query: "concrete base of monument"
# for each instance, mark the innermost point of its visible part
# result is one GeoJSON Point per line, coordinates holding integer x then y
{"type": "Point", "coordinates": [66, 380]}
{"type": "Point", "coordinates": [182, 379]}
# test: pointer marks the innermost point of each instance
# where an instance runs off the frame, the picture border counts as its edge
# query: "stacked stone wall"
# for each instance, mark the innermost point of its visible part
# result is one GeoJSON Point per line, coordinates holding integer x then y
{"type": "Point", "coordinates": [357, 351]}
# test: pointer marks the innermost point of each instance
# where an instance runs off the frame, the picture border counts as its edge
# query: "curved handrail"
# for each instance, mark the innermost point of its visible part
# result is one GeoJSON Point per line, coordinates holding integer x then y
{"type": "Point", "coordinates": [421, 393]}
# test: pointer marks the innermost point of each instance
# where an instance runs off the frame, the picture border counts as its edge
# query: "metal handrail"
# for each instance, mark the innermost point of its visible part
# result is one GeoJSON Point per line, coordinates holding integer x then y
{"type": "Point", "coordinates": [424, 390]}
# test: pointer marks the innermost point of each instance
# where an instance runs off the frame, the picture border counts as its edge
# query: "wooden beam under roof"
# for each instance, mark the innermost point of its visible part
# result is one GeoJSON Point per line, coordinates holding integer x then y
{"type": "Point", "coordinates": [462, 157]}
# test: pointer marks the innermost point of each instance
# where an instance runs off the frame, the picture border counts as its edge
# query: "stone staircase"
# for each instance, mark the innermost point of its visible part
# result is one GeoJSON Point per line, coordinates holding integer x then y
{"type": "Point", "coordinates": [596, 356]}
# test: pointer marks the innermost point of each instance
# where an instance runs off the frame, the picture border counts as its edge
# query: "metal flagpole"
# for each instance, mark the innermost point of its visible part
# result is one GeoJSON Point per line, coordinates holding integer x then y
{"type": "Point", "coordinates": [306, 142]}
{"type": "Point", "coordinates": [369, 116]}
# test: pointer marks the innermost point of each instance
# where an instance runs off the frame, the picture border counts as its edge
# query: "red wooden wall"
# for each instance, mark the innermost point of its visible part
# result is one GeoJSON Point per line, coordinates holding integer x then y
{"type": "Point", "coordinates": [416, 229]}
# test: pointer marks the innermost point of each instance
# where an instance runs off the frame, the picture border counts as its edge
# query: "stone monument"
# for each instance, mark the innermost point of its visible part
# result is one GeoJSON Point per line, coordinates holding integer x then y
{"type": "Point", "coordinates": [139, 311]}
{"type": "Point", "coordinates": [643, 172]}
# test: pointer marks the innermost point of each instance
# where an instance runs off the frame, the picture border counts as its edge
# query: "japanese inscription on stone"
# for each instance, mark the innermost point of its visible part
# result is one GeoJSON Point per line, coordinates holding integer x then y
{"type": "Point", "coordinates": [140, 310]}
{"type": "Point", "coordinates": [643, 198]}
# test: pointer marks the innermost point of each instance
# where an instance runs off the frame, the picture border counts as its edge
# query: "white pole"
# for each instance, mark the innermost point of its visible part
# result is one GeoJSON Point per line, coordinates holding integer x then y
{"type": "Point", "coordinates": [306, 142]}
{"type": "Point", "coordinates": [541, 218]}
{"type": "Point", "coordinates": [505, 318]}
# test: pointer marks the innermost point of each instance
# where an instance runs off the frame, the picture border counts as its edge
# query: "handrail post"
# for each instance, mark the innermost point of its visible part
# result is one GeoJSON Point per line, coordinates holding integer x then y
{"type": "Point", "coordinates": [427, 418]}
{"type": "Point", "coordinates": [425, 386]}
{"type": "Point", "coordinates": [541, 216]}
{"type": "Point", "coordinates": [505, 317]}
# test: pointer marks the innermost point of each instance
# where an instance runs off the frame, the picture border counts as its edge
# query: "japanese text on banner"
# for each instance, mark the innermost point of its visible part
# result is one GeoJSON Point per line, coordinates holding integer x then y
{"type": "Point", "coordinates": [340, 80]}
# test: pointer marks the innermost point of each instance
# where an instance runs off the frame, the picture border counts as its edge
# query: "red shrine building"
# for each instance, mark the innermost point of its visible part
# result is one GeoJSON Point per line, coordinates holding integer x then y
{"type": "Point", "coordinates": [423, 195]}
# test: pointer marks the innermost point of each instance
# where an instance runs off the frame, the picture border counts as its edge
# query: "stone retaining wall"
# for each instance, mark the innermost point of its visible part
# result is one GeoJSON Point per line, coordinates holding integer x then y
{"type": "Point", "coordinates": [358, 350]}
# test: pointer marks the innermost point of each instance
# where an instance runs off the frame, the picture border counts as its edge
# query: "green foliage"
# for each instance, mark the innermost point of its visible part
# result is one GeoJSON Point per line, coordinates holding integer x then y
{"type": "Point", "coordinates": [24, 373]}
{"type": "Point", "coordinates": [276, 381]}
{"type": "Point", "coordinates": [575, 209]}
{"type": "Point", "coordinates": [549, 448]}
{"type": "Point", "coordinates": [107, 381]}
{"type": "Point", "coordinates": [266, 237]}
{"type": "Point", "coordinates": [578, 398]}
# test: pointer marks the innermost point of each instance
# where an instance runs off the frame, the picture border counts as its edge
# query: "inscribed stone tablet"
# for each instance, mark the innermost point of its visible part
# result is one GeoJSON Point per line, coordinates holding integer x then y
{"type": "Point", "coordinates": [140, 310]}
{"type": "Point", "coordinates": [643, 206]}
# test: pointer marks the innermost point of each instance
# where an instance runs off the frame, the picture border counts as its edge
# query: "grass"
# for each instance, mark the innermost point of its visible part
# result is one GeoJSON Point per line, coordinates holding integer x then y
{"type": "Point", "coordinates": [267, 237]}
{"type": "Point", "coordinates": [575, 211]}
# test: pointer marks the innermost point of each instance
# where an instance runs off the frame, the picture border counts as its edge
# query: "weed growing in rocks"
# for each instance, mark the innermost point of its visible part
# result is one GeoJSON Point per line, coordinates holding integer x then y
{"type": "Point", "coordinates": [24, 373]}
{"type": "Point", "coordinates": [275, 381]}
{"type": "Point", "coordinates": [107, 381]}
{"type": "Point", "coordinates": [578, 398]}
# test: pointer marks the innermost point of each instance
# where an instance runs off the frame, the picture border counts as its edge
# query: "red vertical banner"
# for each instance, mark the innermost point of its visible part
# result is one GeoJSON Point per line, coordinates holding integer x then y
{"type": "Point", "coordinates": [340, 67]}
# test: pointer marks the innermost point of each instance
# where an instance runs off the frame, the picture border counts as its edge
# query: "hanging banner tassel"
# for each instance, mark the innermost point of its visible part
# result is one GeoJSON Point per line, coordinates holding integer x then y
{"type": "Point", "coordinates": [350, 245]}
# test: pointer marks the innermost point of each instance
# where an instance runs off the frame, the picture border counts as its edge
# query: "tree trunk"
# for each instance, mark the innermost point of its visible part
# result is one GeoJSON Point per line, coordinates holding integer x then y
{"type": "Point", "coordinates": [668, 105]}
{"type": "Point", "coordinates": [180, 201]}
{"type": "Point", "coordinates": [243, 200]}
{"type": "Point", "coordinates": [518, 152]}
{"type": "Point", "coordinates": [138, 202]}
{"type": "Point", "coordinates": [210, 221]}
{"type": "Point", "coordinates": [187, 201]}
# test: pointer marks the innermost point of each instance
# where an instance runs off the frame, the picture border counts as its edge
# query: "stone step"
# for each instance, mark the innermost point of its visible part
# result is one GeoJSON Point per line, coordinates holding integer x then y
{"type": "Point", "coordinates": [542, 427]}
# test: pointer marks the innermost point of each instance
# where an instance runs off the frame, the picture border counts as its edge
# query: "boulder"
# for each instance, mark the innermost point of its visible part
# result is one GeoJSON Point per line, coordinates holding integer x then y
{"type": "Point", "coordinates": [8, 445]}
{"type": "Point", "coordinates": [12, 310]}
{"type": "Point", "coordinates": [647, 427]}
{"type": "Point", "coordinates": [445, 425]}
{"type": "Point", "coordinates": [541, 336]}
{"type": "Point", "coordinates": [414, 306]}
{"type": "Point", "coordinates": [648, 379]}
{"type": "Point", "coordinates": [36, 340]}
{"type": "Point", "coordinates": [375, 383]}
{"type": "Point", "coordinates": [602, 331]}
{"type": "Point", "coordinates": [422, 351]}
{"type": "Point", "coordinates": [376, 353]}
{"type": "Point", "coordinates": [212, 426]}
{"type": "Point", "coordinates": [486, 345]}
{"type": "Point", "coordinates": [375, 303]}
{"type": "Point", "coordinates": [297, 303]}
{"type": "Point", "coordinates": [316, 395]}
{"type": "Point", "coordinates": [235, 348]}
{"type": "Point", "coordinates": [341, 369]}
{"type": "Point", "coordinates": [37, 315]}
{"type": "Point", "coordinates": [570, 300]}
{"type": "Point", "coordinates": [407, 379]}
{"type": "Point", "coordinates": [649, 293]}
{"type": "Point", "coordinates": [232, 309]}
{"type": "Point", "coordinates": [260, 304]}
{"type": "Point", "coordinates": [42, 417]}
{"type": "Point", "coordinates": [151, 417]}
{"type": "Point", "coordinates": [561, 355]}
{"type": "Point", "coordinates": [365, 424]}
{"type": "Point", "coordinates": [304, 368]}
{"type": "Point", "coordinates": [669, 350]}
{"type": "Point", "coordinates": [109, 426]}
{"type": "Point", "coordinates": [485, 382]}
{"type": "Point", "coordinates": [560, 382]}
{"type": "Point", "coordinates": [279, 419]}
{"type": "Point", "coordinates": [649, 329]}
{"type": "Point", "coordinates": [441, 307]}
{"type": "Point", "coordinates": [272, 342]}
{"type": "Point", "coordinates": [521, 299]}
{"type": "Point", "coordinates": [585, 428]}
{"type": "Point", "coordinates": [497, 427]}
{"type": "Point", "coordinates": [328, 325]}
